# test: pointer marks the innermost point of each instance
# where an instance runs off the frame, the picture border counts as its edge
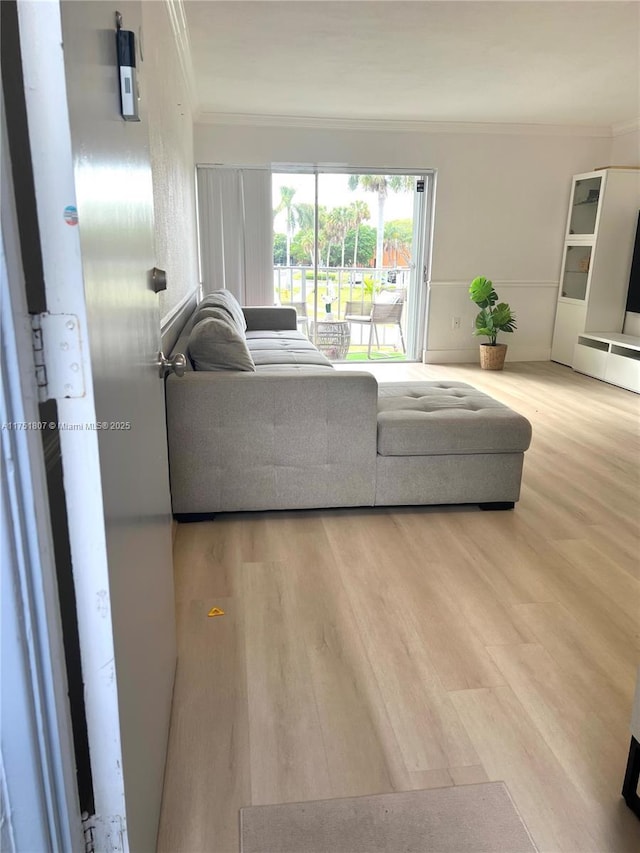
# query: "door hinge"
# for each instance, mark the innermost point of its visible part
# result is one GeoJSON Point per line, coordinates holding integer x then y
{"type": "Point", "coordinates": [103, 834]}
{"type": "Point", "coordinates": [57, 355]}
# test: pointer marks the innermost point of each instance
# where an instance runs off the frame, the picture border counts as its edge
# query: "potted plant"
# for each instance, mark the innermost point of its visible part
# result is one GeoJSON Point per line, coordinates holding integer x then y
{"type": "Point", "coordinates": [491, 319]}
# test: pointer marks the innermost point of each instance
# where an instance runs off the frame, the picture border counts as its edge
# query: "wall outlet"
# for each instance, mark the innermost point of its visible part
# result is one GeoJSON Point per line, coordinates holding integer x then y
{"type": "Point", "coordinates": [456, 322]}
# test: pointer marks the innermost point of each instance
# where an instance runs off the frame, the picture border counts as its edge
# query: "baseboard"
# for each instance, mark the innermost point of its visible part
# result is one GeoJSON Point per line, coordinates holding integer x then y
{"type": "Point", "coordinates": [173, 323]}
{"type": "Point", "coordinates": [471, 355]}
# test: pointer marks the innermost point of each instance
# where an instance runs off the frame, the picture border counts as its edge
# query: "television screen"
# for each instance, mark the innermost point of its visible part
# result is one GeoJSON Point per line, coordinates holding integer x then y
{"type": "Point", "coordinates": [633, 296]}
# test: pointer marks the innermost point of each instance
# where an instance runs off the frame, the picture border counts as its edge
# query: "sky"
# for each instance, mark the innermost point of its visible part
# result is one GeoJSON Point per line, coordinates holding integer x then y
{"type": "Point", "coordinates": [333, 191]}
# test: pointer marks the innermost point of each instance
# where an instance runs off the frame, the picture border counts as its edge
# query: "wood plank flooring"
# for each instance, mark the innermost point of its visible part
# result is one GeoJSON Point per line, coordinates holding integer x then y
{"type": "Point", "coordinates": [368, 651]}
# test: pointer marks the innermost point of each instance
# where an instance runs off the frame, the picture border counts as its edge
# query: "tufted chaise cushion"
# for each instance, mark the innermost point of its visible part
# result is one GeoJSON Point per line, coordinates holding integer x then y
{"type": "Point", "coordinates": [445, 418]}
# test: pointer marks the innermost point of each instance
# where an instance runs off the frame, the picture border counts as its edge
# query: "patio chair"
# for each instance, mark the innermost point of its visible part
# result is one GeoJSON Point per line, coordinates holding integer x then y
{"type": "Point", "coordinates": [303, 317]}
{"type": "Point", "coordinates": [379, 314]}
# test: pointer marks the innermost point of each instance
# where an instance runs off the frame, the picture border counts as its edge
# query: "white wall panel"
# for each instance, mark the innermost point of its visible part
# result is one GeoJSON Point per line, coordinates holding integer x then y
{"type": "Point", "coordinates": [534, 303]}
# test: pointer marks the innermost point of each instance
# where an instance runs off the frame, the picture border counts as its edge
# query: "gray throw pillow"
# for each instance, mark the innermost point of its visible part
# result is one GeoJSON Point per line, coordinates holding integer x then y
{"type": "Point", "coordinates": [216, 313]}
{"type": "Point", "coordinates": [216, 344]}
{"type": "Point", "coordinates": [226, 300]}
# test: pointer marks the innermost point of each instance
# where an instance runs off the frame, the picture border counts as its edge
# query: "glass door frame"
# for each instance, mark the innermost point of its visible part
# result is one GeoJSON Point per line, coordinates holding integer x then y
{"type": "Point", "coordinates": [576, 244]}
{"type": "Point", "coordinates": [422, 244]}
{"type": "Point", "coordinates": [577, 179]}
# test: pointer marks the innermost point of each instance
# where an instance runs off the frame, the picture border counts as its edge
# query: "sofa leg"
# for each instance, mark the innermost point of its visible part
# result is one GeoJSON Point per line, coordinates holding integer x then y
{"type": "Point", "coordinates": [630, 787]}
{"type": "Point", "coordinates": [497, 505]}
{"type": "Point", "coordinates": [189, 517]}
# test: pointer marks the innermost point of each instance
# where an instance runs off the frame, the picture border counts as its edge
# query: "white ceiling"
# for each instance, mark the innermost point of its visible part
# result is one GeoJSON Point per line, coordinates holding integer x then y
{"type": "Point", "coordinates": [545, 62]}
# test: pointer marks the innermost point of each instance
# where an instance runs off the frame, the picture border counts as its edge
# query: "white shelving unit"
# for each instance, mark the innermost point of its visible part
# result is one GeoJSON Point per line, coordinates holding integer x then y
{"type": "Point", "coordinates": [598, 246]}
{"type": "Point", "coordinates": [611, 357]}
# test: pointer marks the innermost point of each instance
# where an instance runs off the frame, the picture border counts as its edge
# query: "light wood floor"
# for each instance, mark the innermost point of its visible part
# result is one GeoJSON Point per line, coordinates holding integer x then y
{"type": "Point", "coordinates": [367, 651]}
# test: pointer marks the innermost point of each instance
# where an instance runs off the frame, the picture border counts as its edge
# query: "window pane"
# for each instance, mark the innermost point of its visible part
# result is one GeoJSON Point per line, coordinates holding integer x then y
{"type": "Point", "coordinates": [585, 206]}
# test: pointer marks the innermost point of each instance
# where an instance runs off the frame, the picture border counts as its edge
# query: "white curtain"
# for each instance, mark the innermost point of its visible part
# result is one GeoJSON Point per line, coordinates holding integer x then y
{"type": "Point", "coordinates": [235, 228]}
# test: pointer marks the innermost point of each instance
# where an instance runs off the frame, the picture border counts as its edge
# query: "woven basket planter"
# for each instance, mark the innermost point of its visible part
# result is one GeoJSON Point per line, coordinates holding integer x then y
{"type": "Point", "coordinates": [492, 357]}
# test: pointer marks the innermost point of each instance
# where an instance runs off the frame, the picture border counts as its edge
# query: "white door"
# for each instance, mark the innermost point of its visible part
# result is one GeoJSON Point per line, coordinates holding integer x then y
{"type": "Point", "coordinates": [116, 478]}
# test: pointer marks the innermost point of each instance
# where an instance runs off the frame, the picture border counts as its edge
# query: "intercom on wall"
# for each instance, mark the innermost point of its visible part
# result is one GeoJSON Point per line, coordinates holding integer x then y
{"type": "Point", "coordinates": [126, 47]}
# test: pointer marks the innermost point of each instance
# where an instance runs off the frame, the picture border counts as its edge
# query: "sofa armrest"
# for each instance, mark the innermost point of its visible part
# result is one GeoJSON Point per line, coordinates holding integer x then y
{"type": "Point", "coordinates": [246, 441]}
{"type": "Point", "coordinates": [269, 317]}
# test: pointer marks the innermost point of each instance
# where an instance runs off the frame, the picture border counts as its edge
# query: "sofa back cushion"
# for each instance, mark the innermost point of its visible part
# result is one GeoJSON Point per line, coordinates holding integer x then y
{"type": "Point", "coordinates": [216, 344]}
{"type": "Point", "coordinates": [217, 314]}
{"type": "Point", "coordinates": [225, 300]}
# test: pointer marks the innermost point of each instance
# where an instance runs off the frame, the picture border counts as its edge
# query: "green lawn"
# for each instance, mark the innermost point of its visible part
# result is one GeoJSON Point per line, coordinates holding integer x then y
{"type": "Point", "coordinates": [383, 354]}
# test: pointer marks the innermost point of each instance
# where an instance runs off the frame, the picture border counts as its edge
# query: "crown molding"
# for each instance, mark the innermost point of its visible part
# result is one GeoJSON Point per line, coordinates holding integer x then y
{"type": "Point", "coordinates": [182, 41]}
{"type": "Point", "coordinates": [625, 127]}
{"type": "Point", "coordinates": [392, 126]}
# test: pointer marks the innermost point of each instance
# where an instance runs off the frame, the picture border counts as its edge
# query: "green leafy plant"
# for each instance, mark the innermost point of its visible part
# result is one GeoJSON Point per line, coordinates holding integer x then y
{"type": "Point", "coordinates": [370, 286]}
{"type": "Point", "coordinates": [492, 318]}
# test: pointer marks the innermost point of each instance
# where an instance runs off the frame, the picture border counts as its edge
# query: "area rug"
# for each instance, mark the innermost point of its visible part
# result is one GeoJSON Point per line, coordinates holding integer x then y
{"type": "Point", "coordinates": [465, 819]}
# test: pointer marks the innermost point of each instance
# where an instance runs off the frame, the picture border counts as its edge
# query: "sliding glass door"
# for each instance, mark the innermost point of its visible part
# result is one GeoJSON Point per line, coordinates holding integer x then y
{"type": "Point", "coordinates": [349, 253]}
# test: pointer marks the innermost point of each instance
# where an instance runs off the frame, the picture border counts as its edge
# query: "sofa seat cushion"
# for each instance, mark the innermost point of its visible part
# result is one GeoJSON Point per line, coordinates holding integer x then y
{"type": "Point", "coordinates": [284, 348]}
{"type": "Point", "coordinates": [287, 368]}
{"type": "Point", "coordinates": [280, 344]}
{"type": "Point", "coordinates": [266, 358]}
{"type": "Point", "coordinates": [446, 418]}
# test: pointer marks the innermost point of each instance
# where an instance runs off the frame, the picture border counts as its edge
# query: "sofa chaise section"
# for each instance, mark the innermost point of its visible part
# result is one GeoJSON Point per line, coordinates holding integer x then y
{"type": "Point", "coordinates": [445, 443]}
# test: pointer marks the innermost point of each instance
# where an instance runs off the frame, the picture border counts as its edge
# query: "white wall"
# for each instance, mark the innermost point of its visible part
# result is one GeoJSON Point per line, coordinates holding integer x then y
{"type": "Point", "coordinates": [166, 100]}
{"type": "Point", "coordinates": [625, 149]}
{"type": "Point", "coordinates": [501, 203]}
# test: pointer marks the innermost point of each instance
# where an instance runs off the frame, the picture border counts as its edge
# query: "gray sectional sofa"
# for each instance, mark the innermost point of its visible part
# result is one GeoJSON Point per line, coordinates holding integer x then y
{"type": "Point", "coordinates": [292, 432]}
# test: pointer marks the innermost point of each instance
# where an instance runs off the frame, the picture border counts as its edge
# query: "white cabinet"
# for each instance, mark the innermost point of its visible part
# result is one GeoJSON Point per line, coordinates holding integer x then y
{"type": "Point", "coordinates": [596, 258]}
{"type": "Point", "coordinates": [570, 321]}
{"type": "Point", "coordinates": [590, 358]}
{"type": "Point", "coordinates": [611, 357]}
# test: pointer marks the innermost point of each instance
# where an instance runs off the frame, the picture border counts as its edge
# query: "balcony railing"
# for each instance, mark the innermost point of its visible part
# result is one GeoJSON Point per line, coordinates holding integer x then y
{"type": "Point", "coordinates": [330, 293]}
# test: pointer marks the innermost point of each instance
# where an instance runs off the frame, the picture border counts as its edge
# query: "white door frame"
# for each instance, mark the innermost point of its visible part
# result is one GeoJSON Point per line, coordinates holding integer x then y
{"type": "Point", "coordinates": [418, 302]}
{"type": "Point", "coordinates": [39, 795]}
{"type": "Point", "coordinates": [422, 249]}
{"type": "Point", "coordinates": [45, 89]}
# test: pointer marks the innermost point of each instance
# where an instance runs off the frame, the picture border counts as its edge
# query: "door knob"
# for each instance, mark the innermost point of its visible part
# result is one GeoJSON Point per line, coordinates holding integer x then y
{"type": "Point", "coordinates": [158, 280]}
{"type": "Point", "coordinates": [176, 365]}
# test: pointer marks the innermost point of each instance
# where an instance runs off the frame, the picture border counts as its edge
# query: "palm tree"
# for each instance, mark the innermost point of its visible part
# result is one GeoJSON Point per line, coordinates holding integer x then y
{"type": "Point", "coordinates": [321, 232]}
{"type": "Point", "coordinates": [307, 240]}
{"type": "Point", "coordinates": [342, 227]}
{"type": "Point", "coordinates": [358, 212]}
{"type": "Point", "coordinates": [286, 203]}
{"type": "Point", "coordinates": [305, 216]}
{"type": "Point", "coordinates": [397, 238]}
{"type": "Point", "coordinates": [381, 184]}
{"type": "Point", "coordinates": [333, 229]}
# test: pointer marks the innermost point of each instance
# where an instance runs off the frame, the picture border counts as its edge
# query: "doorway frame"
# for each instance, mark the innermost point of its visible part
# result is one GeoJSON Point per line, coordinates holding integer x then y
{"type": "Point", "coordinates": [418, 300]}
{"type": "Point", "coordinates": [39, 789]}
{"type": "Point", "coordinates": [47, 108]}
